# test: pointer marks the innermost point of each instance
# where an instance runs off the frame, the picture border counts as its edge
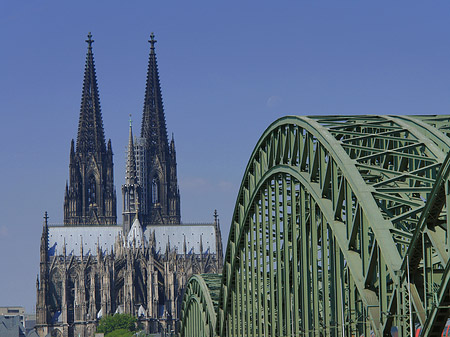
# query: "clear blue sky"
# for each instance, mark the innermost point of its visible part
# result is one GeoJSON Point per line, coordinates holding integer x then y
{"type": "Point", "coordinates": [227, 69]}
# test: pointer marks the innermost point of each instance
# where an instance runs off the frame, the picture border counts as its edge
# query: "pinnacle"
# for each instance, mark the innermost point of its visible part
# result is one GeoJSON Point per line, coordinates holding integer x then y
{"type": "Point", "coordinates": [131, 159]}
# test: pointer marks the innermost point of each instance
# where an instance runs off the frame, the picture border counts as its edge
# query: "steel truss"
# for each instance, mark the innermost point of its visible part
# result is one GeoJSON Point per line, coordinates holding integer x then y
{"type": "Point", "coordinates": [330, 211]}
{"type": "Point", "coordinates": [198, 309]}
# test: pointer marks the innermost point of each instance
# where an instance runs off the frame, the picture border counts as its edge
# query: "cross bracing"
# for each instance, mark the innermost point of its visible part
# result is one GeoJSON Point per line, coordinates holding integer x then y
{"type": "Point", "coordinates": [331, 211]}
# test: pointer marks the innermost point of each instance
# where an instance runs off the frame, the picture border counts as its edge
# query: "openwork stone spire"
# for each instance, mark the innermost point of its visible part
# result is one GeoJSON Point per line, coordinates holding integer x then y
{"type": "Point", "coordinates": [91, 136]}
{"type": "Point", "coordinates": [90, 197]}
{"type": "Point", "coordinates": [153, 120]}
{"type": "Point", "coordinates": [158, 171]}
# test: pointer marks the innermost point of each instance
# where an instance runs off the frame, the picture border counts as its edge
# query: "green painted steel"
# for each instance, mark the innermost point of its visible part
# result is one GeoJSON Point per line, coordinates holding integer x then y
{"type": "Point", "coordinates": [330, 211]}
{"type": "Point", "coordinates": [198, 310]}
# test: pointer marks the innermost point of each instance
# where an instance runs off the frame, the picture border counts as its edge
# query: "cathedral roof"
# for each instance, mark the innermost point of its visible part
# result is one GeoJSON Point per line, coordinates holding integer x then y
{"type": "Point", "coordinates": [176, 234]}
{"type": "Point", "coordinates": [74, 236]}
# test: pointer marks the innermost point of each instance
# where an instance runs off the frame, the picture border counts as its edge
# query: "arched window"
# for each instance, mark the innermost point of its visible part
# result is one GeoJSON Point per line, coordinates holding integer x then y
{"type": "Point", "coordinates": [91, 191]}
{"type": "Point", "coordinates": [155, 186]}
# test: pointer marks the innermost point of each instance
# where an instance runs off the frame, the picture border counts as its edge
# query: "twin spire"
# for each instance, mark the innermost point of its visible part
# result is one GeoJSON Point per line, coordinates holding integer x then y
{"type": "Point", "coordinates": [90, 196]}
{"type": "Point", "coordinates": [91, 137]}
{"type": "Point", "coordinates": [153, 127]}
{"type": "Point", "coordinates": [151, 179]}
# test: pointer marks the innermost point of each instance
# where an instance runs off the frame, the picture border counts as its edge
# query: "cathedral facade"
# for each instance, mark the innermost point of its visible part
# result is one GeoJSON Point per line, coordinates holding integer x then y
{"type": "Point", "coordinates": [90, 266]}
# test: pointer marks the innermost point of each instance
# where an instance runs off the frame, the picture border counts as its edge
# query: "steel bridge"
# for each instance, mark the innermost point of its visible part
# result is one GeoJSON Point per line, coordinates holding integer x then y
{"type": "Point", "coordinates": [340, 229]}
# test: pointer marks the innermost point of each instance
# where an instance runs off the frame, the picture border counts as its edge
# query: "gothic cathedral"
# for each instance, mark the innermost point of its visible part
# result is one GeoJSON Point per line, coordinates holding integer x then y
{"type": "Point", "coordinates": [90, 266]}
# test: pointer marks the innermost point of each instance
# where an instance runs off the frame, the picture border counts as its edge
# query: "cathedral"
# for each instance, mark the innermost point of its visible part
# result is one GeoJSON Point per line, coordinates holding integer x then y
{"type": "Point", "coordinates": [91, 266]}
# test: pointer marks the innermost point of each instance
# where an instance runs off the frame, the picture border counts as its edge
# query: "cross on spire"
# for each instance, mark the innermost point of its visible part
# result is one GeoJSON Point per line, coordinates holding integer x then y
{"type": "Point", "coordinates": [152, 41]}
{"type": "Point", "coordinates": [89, 40]}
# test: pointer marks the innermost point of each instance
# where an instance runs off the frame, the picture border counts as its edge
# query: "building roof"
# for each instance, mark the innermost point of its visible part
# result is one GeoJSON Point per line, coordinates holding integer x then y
{"type": "Point", "coordinates": [74, 236]}
{"type": "Point", "coordinates": [176, 234]}
{"type": "Point", "coordinates": [12, 310]}
{"type": "Point", "coordinates": [11, 327]}
{"type": "Point", "coordinates": [195, 235]}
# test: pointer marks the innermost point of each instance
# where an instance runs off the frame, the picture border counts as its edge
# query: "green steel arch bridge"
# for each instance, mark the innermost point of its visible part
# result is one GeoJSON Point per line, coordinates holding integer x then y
{"type": "Point", "coordinates": [340, 228]}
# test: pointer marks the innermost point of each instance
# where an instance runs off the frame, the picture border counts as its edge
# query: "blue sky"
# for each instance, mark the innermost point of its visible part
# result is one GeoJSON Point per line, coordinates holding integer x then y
{"type": "Point", "coordinates": [227, 69]}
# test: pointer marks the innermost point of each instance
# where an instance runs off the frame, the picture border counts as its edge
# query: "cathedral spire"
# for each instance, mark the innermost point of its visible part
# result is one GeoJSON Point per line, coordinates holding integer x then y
{"type": "Point", "coordinates": [91, 136]}
{"type": "Point", "coordinates": [131, 190]}
{"type": "Point", "coordinates": [153, 120]}
{"type": "Point", "coordinates": [90, 198]}
{"type": "Point", "coordinates": [130, 176]}
{"type": "Point", "coordinates": [157, 166]}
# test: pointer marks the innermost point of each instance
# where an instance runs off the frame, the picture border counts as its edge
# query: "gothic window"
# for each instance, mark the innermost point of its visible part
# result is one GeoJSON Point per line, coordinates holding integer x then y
{"type": "Point", "coordinates": [155, 196]}
{"type": "Point", "coordinates": [91, 190]}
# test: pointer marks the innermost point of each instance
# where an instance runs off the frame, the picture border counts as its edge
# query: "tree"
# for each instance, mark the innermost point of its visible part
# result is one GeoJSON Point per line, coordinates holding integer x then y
{"type": "Point", "coordinates": [118, 321]}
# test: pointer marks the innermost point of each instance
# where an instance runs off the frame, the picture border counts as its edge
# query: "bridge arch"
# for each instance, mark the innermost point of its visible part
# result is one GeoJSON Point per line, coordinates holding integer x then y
{"type": "Point", "coordinates": [352, 169]}
{"type": "Point", "coordinates": [330, 212]}
{"type": "Point", "coordinates": [198, 309]}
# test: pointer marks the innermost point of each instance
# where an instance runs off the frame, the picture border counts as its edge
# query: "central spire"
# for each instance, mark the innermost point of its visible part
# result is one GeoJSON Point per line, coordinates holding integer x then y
{"type": "Point", "coordinates": [153, 120]}
{"type": "Point", "coordinates": [131, 159]}
{"type": "Point", "coordinates": [91, 137]}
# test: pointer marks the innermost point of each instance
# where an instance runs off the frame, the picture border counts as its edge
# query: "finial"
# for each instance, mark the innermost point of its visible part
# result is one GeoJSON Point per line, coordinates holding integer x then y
{"type": "Point", "coordinates": [152, 41]}
{"type": "Point", "coordinates": [131, 122]}
{"type": "Point", "coordinates": [45, 218]}
{"type": "Point", "coordinates": [215, 216]}
{"type": "Point", "coordinates": [89, 40]}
